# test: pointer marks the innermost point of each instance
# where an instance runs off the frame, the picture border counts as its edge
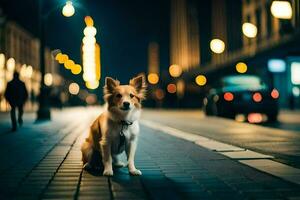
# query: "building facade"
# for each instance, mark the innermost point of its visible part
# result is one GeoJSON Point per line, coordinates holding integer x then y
{"type": "Point", "coordinates": [19, 51]}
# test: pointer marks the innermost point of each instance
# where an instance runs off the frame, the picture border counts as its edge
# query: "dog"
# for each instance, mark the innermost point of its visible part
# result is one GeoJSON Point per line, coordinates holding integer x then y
{"type": "Point", "coordinates": [117, 128]}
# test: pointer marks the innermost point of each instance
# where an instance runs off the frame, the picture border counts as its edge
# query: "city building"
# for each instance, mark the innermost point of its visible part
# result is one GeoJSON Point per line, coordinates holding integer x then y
{"type": "Point", "coordinates": [263, 34]}
{"type": "Point", "coordinates": [184, 35]}
{"type": "Point", "coordinates": [19, 51]}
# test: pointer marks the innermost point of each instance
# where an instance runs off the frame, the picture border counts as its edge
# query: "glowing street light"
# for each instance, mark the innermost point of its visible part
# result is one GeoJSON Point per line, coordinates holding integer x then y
{"type": "Point", "coordinates": [153, 78]}
{"type": "Point", "coordinates": [68, 10]}
{"type": "Point", "coordinates": [74, 88]}
{"type": "Point", "coordinates": [201, 80]}
{"type": "Point", "coordinates": [175, 70]}
{"type": "Point", "coordinates": [2, 60]}
{"type": "Point", "coordinates": [281, 9]}
{"type": "Point", "coordinates": [249, 30]}
{"type": "Point", "coordinates": [217, 46]}
{"type": "Point", "coordinates": [48, 79]}
{"type": "Point", "coordinates": [11, 64]}
{"type": "Point", "coordinates": [241, 67]}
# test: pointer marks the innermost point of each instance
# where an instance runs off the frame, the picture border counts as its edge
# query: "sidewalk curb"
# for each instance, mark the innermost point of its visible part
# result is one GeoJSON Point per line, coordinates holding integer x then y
{"type": "Point", "coordinates": [261, 162]}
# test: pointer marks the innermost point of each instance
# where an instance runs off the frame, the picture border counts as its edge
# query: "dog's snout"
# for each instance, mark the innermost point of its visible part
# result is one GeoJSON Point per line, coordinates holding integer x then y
{"type": "Point", "coordinates": [126, 104]}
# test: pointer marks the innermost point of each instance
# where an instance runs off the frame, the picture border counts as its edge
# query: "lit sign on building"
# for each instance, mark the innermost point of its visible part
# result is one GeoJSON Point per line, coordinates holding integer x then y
{"type": "Point", "coordinates": [276, 65]}
{"type": "Point", "coordinates": [295, 73]}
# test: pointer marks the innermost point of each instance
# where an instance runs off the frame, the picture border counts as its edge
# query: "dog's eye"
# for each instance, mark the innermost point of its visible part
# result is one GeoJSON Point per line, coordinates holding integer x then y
{"type": "Point", "coordinates": [131, 95]}
{"type": "Point", "coordinates": [119, 96]}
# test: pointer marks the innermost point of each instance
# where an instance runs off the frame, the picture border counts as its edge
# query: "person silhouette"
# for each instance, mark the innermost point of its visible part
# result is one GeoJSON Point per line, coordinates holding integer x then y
{"type": "Point", "coordinates": [16, 95]}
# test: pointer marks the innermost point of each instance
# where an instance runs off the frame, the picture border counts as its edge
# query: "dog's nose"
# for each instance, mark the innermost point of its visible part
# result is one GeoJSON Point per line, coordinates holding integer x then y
{"type": "Point", "coordinates": [126, 104]}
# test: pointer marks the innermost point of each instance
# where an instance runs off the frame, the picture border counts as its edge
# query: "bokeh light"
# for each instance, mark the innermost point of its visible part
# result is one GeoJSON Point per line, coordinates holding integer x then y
{"type": "Point", "coordinates": [153, 78]}
{"type": "Point", "coordinates": [69, 64]}
{"type": "Point", "coordinates": [241, 67]}
{"type": "Point", "coordinates": [48, 79]}
{"type": "Point", "coordinates": [11, 64]}
{"type": "Point", "coordinates": [2, 60]}
{"type": "Point", "coordinates": [74, 88]}
{"type": "Point", "coordinates": [257, 97]}
{"type": "Point", "coordinates": [89, 21]}
{"type": "Point", "coordinates": [76, 69]}
{"type": "Point", "coordinates": [249, 30]}
{"type": "Point", "coordinates": [159, 94]}
{"type": "Point", "coordinates": [171, 88]}
{"type": "Point", "coordinates": [201, 80]}
{"type": "Point", "coordinates": [68, 10]}
{"type": "Point", "coordinates": [175, 70]}
{"type": "Point", "coordinates": [217, 46]}
{"type": "Point", "coordinates": [281, 9]}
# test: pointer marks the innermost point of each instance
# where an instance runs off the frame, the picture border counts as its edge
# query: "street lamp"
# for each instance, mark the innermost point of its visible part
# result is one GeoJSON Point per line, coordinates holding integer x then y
{"type": "Point", "coordinates": [249, 30]}
{"type": "Point", "coordinates": [43, 112]}
{"type": "Point", "coordinates": [281, 9]}
{"type": "Point", "coordinates": [68, 10]}
{"type": "Point", "coordinates": [217, 46]}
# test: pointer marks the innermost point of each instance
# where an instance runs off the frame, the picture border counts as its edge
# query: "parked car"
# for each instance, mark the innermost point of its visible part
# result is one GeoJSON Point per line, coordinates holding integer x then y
{"type": "Point", "coordinates": [244, 98]}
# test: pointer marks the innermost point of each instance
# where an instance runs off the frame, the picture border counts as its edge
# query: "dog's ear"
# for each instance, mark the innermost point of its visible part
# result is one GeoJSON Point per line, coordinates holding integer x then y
{"type": "Point", "coordinates": [110, 85]}
{"type": "Point", "coordinates": [139, 83]}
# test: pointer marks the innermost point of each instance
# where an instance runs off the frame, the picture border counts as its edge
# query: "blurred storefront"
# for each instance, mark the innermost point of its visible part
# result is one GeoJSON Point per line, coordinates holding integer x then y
{"type": "Point", "coordinates": [19, 51]}
{"type": "Point", "coordinates": [254, 33]}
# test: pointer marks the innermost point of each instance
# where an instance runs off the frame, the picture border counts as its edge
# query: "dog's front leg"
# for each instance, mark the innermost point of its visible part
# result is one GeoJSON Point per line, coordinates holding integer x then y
{"type": "Point", "coordinates": [130, 152]}
{"type": "Point", "coordinates": [106, 159]}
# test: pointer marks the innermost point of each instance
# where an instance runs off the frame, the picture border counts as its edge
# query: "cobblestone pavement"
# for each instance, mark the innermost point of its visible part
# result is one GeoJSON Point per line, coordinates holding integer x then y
{"type": "Point", "coordinates": [43, 161]}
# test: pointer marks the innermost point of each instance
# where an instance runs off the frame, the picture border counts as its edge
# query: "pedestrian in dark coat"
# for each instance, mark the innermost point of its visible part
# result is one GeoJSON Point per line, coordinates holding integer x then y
{"type": "Point", "coordinates": [16, 95]}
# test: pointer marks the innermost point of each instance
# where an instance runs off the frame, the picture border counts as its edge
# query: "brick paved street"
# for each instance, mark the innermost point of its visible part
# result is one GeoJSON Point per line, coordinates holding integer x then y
{"type": "Point", "coordinates": [43, 161]}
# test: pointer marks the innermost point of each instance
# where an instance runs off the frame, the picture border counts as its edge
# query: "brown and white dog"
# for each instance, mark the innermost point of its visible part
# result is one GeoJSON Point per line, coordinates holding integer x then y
{"type": "Point", "coordinates": [117, 128]}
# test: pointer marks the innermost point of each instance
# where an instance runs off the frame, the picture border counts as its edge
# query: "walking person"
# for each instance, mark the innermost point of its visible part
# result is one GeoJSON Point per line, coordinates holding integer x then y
{"type": "Point", "coordinates": [16, 95]}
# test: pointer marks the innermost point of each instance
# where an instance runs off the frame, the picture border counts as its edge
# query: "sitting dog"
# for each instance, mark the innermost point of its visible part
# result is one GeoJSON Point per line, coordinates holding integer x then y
{"type": "Point", "coordinates": [117, 128]}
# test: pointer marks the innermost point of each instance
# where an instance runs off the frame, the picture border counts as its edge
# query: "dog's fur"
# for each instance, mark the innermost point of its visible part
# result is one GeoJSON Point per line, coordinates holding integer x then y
{"type": "Point", "coordinates": [104, 137]}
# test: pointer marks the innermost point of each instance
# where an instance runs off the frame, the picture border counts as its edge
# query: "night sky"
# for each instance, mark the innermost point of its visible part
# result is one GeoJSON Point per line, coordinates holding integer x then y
{"type": "Point", "coordinates": [124, 30]}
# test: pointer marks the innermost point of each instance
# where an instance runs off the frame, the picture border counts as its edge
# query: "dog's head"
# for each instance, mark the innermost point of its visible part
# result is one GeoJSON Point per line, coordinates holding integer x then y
{"type": "Point", "coordinates": [125, 98]}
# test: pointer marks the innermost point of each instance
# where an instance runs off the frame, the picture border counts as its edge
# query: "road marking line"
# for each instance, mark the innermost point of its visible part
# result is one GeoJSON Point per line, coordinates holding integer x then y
{"type": "Point", "coordinates": [253, 159]}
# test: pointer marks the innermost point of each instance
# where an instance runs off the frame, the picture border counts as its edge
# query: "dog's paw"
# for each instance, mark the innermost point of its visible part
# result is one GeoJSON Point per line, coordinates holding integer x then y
{"type": "Point", "coordinates": [108, 173]}
{"type": "Point", "coordinates": [135, 172]}
{"type": "Point", "coordinates": [119, 164]}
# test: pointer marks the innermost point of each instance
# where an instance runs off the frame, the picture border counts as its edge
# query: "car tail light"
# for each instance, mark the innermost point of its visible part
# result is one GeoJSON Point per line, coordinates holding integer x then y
{"type": "Point", "coordinates": [257, 97]}
{"type": "Point", "coordinates": [228, 96]}
{"type": "Point", "coordinates": [275, 94]}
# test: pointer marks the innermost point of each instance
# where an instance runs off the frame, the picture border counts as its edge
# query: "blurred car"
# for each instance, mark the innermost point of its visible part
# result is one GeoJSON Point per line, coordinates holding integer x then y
{"type": "Point", "coordinates": [244, 98]}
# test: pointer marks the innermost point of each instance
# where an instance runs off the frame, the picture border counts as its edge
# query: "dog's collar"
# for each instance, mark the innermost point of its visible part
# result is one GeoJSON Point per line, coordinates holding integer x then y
{"type": "Point", "coordinates": [126, 123]}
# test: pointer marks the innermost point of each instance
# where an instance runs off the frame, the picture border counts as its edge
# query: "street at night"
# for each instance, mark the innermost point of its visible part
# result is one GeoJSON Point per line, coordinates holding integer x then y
{"type": "Point", "coordinates": [156, 100]}
{"type": "Point", "coordinates": [49, 164]}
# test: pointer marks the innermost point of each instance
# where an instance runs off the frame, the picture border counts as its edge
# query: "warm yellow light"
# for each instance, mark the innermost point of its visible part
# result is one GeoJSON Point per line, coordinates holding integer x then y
{"type": "Point", "coordinates": [69, 64]}
{"type": "Point", "coordinates": [61, 58]}
{"type": "Point", "coordinates": [48, 79]}
{"type": "Point", "coordinates": [11, 64]}
{"type": "Point", "coordinates": [68, 10]}
{"type": "Point", "coordinates": [29, 71]}
{"type": "Point", "coordinates": [281, 9]}
{"type": "Point", "coordinates": [89, 21]}
{"type": "Point", "coordinates": [175, 70]}
{"type": "Point", "coordinates": [249, 30]}
{"type": "Point", "coordinates": [90, 31]}
{"type": "Point", "coordinates": [201, 80]}
{"type": "Point", "coordinates": [241, 67]}
{"type": "Point", "coordinates": [74, 88]}
{"type": "Point", "coordinates": [76, 69]}
{"type": "Point", "coordinates": [2, 60]}
{"type": "Point", "coordinates": [92, 84]}
{"type": "Point", "coordinates": [171, 88]}
{"type": "Point", "coordinates": [89, 40]}
{"type": "Point", "coordinates": [153, 78]}
{"type": "Point", "coordinates": [217, 46]}
{"type": "Point", "coordinates": [23, 70]}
